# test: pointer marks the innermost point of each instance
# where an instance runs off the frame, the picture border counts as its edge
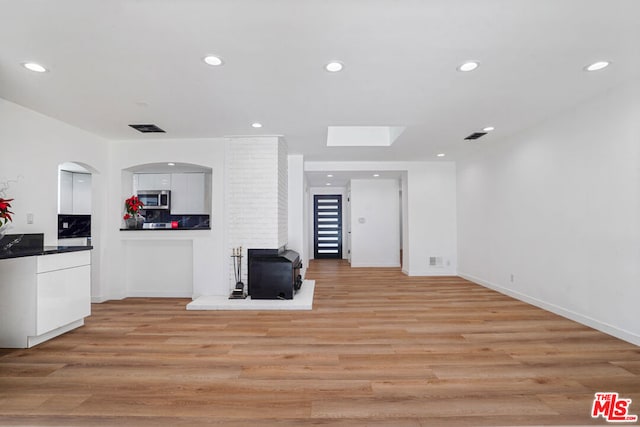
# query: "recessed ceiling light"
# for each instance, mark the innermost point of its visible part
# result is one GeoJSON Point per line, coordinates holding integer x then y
{"type": "Point", "coordinates": [212, 60]}
{"type": "Point", "coordinates": [334, 66]}
{"type": "Point", "coordinates": [468, 66]}
{"type": "Point", "coordinates": [171, 164]}
{"type": "Point", "coordinates": [597, 66]}
{"type": "Point", "coordinates": [256, 125]}
{"type": "Point", "coordinates": [376, 175]}
{"type": "Point", "coordinates": [488, 129]}
{"type": "Point", "coordinates": [328, 183]}
{"type": "Point", "coordinates": [34, 67]}
{"type": "Point", "coordinates": [329, 176]}
{"type": "Point", "coordinates": [440, 154]}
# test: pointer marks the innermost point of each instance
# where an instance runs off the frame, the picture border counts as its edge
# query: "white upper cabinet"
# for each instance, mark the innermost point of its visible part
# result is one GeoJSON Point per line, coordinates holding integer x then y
{"type": "Point", "coordinates": [188, 193]}
{"type": "Point", "coordinates": [82, 193]}
{"type": "Point", "coordinates": [74, 193]}
{"type": "Point", "coordinates": [187, 190]}
{"type": "Point", "coordinates": [152, 181]}
{"type": "Point", "coordinates": [65, 193]}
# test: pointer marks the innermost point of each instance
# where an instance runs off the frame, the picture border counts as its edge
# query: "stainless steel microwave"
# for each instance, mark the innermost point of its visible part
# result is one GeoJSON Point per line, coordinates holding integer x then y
{"type": "Point", "coordinates": [155, 199]}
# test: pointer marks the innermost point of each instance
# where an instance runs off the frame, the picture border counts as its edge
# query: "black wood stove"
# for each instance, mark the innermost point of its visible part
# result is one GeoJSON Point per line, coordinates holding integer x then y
{"type": "Point", "coordinates": [273, 273]}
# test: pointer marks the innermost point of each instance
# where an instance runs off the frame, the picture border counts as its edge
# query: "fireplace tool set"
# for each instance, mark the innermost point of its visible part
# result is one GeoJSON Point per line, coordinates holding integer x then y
{"type": "Point", "coordinates": [238, 292]}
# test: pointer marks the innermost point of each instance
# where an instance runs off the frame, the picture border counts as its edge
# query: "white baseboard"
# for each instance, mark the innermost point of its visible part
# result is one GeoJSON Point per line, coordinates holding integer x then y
{"type": "Point", "coordinates": [35, 340]}
{"type": "Point", "coordinates": [376, 265]}
{"type": "Point", "coordinates": [144, 294]}
{"type": "Point", "coordinates": [160, 294]}
{"type": "Point", "coordinates": [100, 299]}
{"type": "Point", "coordinates": [561, 311]}
{"type": "Point", "coordinates": [427, 273]}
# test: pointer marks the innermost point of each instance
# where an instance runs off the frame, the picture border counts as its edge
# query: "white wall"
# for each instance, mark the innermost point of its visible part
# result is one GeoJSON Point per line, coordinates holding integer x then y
{"type": "Point", "coordinates": [283, 193]}
{"type": "Point", "coordinates": [552, 215]}
{"type": "Point", "coordinates": [375, 223]}
{"type": "Point", "coordinates": [204, 249]}
{"type": "Point", "coordinates": [305, 225]}
{"type": "Point", "coordinates": [159, 268]}
{"type": "Point", "coordinates": [347, 223]}
{"type": "Point", "coordinates": [404, 221]}
{"type": "Point", "coordinates": [31, 147]}
{"type": "Point", "coordinates": [296, 209]}
{"type": "Point", "coordinates": [431, 219]}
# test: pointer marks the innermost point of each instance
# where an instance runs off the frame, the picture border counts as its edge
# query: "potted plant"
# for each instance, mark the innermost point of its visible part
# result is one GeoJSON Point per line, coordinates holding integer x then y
{"type": "Point", "coordinates": [132, 217]}
{"type": "Point", "coordinates": [5, 214]}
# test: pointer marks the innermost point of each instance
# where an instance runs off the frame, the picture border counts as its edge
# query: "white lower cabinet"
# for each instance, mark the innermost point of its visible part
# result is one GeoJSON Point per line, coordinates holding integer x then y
{"type": "Point", "coordinates": [62, 297]}
{"type": "Point", "coordinates": [46, 296]}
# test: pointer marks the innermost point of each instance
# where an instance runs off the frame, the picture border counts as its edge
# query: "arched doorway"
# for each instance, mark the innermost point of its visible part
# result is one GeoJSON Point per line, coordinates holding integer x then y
{"type": "Point", "coordinates": [75, 203]}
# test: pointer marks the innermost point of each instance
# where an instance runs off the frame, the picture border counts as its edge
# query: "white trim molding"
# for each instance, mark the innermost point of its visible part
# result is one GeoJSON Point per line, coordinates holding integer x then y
{"type": "Point", "coordinates": [569, 314]}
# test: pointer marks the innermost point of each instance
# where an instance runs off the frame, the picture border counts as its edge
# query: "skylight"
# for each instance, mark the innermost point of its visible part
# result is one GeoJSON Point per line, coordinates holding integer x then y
{"type": "Point", "coordinates": [363, 136]}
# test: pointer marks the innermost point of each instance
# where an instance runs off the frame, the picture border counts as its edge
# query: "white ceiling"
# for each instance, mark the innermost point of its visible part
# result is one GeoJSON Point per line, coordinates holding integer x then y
{"type": "Point", "coordinates": [118, 62]}
{"type": "Point", "coordinates": [338, 179]}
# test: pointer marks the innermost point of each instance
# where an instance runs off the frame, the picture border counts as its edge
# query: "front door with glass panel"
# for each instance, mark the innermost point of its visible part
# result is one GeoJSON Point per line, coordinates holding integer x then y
{"type": "Point", "coordinates": [327, 226]}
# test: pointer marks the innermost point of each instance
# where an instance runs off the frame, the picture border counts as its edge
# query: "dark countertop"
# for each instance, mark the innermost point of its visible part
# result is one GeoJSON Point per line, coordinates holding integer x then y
{"type": "Point", "coordinates": [45, 250]}
{"type": "Point", "coordinates": [165, 229]}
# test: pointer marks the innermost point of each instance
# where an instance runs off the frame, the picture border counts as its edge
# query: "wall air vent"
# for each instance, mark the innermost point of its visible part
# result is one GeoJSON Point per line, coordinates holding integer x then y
{"type": "Point", "coordinates": [435, 261]}
{"type": "Point", "coordinates": [476, 135]}
{"type": "Point", "coordinates": [147, 128]}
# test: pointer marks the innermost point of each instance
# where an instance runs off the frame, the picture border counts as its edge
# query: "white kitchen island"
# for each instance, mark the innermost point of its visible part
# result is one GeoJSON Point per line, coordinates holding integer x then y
{"type": "Point", "coordinates": [43, 294]}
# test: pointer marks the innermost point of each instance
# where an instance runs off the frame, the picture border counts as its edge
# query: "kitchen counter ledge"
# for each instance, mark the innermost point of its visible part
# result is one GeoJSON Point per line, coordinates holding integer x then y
{"type": "Point", "coordinates": [166, 229]}
{"type": "Point", "coordinates": [45, 250]}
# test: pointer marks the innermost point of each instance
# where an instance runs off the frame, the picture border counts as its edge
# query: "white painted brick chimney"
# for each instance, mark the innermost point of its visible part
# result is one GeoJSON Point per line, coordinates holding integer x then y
{"type": "Point", "coordinates": [256, 196]}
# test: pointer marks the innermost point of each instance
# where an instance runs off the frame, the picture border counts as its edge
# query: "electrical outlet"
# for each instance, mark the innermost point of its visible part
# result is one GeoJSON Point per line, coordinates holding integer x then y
{"type": "Point", "coordinates": [512, 278]}
{"type": "Point", "coordinates": [29, 218]}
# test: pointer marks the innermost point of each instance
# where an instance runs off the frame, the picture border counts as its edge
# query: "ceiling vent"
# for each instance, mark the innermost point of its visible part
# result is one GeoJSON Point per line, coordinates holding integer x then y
{"type": "Point", "coordinates": [147, 128]}
{"type": "Point", "coordinates": [475, 135]}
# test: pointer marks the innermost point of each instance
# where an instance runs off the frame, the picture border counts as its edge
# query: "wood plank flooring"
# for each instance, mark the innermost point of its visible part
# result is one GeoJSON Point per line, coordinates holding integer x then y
{"type": "Point", "coordinates": [378, 349]}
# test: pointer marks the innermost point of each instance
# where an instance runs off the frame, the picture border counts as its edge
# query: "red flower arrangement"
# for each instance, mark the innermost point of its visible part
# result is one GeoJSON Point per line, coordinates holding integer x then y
{"type": "Point", "coordinates": [132, 206]}
{"type": "Point", "coordinates": [5, 213]}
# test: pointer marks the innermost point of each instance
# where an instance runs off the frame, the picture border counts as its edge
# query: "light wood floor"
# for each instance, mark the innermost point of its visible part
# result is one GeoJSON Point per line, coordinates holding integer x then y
{"type": "Point", "coordinates": [379, 349]}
